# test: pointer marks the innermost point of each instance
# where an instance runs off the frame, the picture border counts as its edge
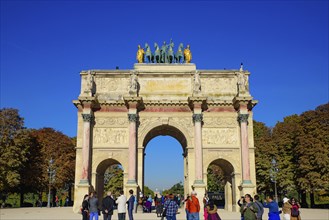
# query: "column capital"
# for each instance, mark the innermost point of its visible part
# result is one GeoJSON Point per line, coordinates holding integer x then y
{"type": "Point", "coordinates": [197, 117]}
{"type": "Point", "coordinates": [87, 117]}
{"type": "Point", "coordinates": [132, 117]}
{"type": "Point", "coordinates": [243, 118]}
{"type": "Point", "coordinates": [133, 102]}
{"type": "Point", "coordinates": [244, 103]}
{"type": "Point", "coordinates": [197, 102]}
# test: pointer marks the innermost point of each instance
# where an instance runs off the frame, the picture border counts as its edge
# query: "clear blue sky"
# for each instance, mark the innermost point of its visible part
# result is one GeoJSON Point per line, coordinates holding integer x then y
{"type": "Point", "coordinates": [45, 44]}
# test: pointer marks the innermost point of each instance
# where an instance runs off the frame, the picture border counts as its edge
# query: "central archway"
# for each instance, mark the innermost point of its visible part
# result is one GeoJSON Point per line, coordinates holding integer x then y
{"type": "Point", "coordinates": [165, 130]}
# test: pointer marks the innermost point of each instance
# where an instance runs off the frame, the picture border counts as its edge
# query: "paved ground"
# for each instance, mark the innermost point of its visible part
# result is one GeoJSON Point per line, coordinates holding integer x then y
{"type": "Point", "coordinates": [67, 214]}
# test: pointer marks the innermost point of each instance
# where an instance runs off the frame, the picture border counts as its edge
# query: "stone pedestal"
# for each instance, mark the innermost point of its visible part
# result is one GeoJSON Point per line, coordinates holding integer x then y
{"type": "Point", "coordinates": [228, 196]}
{"type": "Point", "coordinates": [80, 191]}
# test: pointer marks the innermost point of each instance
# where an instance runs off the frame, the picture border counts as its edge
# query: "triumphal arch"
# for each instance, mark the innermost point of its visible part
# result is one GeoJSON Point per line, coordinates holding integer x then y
{"type": "Point", "coordinates": [208, 111]}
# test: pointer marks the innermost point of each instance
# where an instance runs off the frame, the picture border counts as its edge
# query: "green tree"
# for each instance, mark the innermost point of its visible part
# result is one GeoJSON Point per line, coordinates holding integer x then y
{"type": "Point", "coordinates": [147, 191]}
{"type": "Point", "coordinates": [178, 188]}
{"type": "Point", "coordinates": [113, 179]}
{"type": "Point", "coordinates": [215, 178]}
{"type": "Point", "coordinates": [30, 180]}
{"type": "Point", "coordinates": [264, 152]}
{"type": "Point", "coordinates": [284, 138]}
{"type": "Point", "coordinates": [313, 151]}
{"type": "Point", "coordinates": [12, 156]}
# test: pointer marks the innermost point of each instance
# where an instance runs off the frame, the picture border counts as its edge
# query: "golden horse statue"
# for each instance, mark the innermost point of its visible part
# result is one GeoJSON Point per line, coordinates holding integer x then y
{"type": "Point", "coordinates": [187, 54]}
{"type": "Point", "coordinates": [140, 54]}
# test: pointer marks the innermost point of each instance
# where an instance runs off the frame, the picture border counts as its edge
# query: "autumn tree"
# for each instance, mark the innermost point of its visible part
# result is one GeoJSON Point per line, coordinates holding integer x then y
{"type": "Point", "coordinates": [12, 156]}
{"type": "Point", "coordinates": [59, 147]}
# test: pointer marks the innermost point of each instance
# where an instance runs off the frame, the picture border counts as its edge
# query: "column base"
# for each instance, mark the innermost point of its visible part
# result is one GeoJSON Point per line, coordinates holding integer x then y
{"type": "Point", "coordinates": [131, 184]}
{"type": "Point", "coordinates": [83, 182]}
{"type": "Point", "coordinates": [247, 187]}
{"type": "Point", "coordinates": [81, 189]}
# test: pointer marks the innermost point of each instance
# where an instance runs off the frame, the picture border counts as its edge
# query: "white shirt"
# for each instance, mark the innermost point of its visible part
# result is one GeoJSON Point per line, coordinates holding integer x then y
{"type": "Point", "coordinates": [121, 201]}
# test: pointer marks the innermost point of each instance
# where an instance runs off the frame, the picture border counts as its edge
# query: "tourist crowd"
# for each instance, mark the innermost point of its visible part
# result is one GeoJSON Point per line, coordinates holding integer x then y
{"type": "Point", "coordinates": [167, 207]}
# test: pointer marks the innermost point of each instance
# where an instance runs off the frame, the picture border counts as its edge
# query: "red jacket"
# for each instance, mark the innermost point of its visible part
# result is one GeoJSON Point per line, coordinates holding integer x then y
{"type": "Point", "coordinates": [193, 205]}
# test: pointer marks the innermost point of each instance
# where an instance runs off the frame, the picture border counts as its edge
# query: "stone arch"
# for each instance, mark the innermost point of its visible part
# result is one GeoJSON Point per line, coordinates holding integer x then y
{"type": "Point", "coordinates": [229, 178]}
{"type": "Point", "coordinates": [156, 127]}
{"type": "Point", "coordinates": [171, 129]}
{"type": "Point", "coordinates": [99, 174]}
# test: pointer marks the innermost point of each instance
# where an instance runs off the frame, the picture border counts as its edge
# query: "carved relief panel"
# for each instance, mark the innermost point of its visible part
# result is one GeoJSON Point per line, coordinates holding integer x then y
{"type": "Point", "coordinates": [219, 86]}
{"type": "Point", "coordinates": [110, 136]}
{"type": "Point", "coordinates": [220, 136]}
{"type": "Point", "coordinates": [111, 88]}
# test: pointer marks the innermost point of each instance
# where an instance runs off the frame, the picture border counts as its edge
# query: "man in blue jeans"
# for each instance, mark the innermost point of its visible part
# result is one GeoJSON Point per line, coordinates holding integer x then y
{"type": "Point", "coordinates": [93, 206]}
{"type": "Point", "coordinates": [193, 207]}
{"type": "Point", "coordinates": [130, 203]}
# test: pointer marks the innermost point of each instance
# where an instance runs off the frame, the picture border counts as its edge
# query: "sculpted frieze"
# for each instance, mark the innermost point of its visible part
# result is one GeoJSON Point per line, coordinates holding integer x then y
{"type": "Point", "coordinates": [219, 136]}
{"type": "Point", "coordinates": [106, 85]}
{"type": "Point", "coordinates": [111, 122]}
{"type": "Point", "coordinates": [110, 136]}
{"type": "Point", "coordinates": [219, 86]}
{"type": "Point", "coordinates": [220, 122]}
{"type": "Point", "coordinates": [185, 122]}
{"type": "Point", "coordinates": [143, 122]}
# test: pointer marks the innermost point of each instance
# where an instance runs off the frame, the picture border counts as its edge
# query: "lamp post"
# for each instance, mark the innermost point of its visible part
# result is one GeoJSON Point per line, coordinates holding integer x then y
{"type": "Point", "coordinates": [51, 172]}
{"type": "Point", "coordinates": [273, 174]}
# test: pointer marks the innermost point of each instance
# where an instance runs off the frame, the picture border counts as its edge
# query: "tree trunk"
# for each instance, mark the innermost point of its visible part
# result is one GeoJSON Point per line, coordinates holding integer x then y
{"type": "Point", "coordinates": [70, 192]}
{"type": "Point", "coordinates": [303, 199]}
{"type": "Point", "coordinates": [21, 199]}
{"type": "Point", "coordinates": [312, 199]}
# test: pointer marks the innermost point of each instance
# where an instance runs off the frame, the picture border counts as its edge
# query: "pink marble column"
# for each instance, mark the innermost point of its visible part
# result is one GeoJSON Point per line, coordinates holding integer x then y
{"type": "Point", "coordinates": [85, 148]}
{"type": "Point", "coordinates": [132, 149]}
{"type": "Point", "coordinates": [197, 118]}
{"type": "Point", "coordinates": [243, 119]}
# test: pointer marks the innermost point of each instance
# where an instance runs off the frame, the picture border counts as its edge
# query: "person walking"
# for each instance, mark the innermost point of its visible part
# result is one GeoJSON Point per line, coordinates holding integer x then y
{"type": "Point", "coordinates": [211, 209]}
{"type": "Point", "coordinates": [205, 203]}
{"type": "Point", "coordinates": [171, 208]}
{"type": "Point", "coordinates": [130, 203]}
{"type": "Point", "coordinates": [135, 203]}
{"type": "Point", "coordinates": [121, 201]}
{"type": "Point", "coordinates": [193, 207]}
{"type": "Point", "coordinates": [286, 209]}
{"type": "Point", "coordinates": [85, 208]}
{"type": "Point", "coordinates": [260, 207]}
{"type": "Point", "coordinates": [240, 202]}
{"type": "Point", "coordinates": [107, 206]}
{"type": "Point", "coordinates": [295, 213]}
{"type": "Point", "coordinates": [273, 207]}
{"type": "Point", "coordinates": [248, 209]}
{"type": "Point", "coordinates": [93, 206]}
{"type": "Point", "coordinates": [186, 209]}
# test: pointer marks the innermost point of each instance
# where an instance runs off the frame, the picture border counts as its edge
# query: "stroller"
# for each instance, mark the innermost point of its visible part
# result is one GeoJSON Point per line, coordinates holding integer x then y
{"type": "Point", "coordinates": [159, 210]}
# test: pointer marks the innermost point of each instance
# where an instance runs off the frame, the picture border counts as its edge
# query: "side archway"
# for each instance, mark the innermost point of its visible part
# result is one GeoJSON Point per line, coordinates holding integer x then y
{"type": "Point", "coordinates": [223, 194]}
{"type": "Point", "coordinates": [101, 169]}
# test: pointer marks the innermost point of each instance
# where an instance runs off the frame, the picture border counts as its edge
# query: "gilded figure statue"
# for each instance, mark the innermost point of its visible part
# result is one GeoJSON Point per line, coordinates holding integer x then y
{"type": "Point", "coordinates": [140, 54]}
{"type": "Point", "coordinates": [187, 54]}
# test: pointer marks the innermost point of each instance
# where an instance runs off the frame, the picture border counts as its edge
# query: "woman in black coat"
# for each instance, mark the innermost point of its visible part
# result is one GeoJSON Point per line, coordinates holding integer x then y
{"type": "Point", "coordinates": [85, 208]}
